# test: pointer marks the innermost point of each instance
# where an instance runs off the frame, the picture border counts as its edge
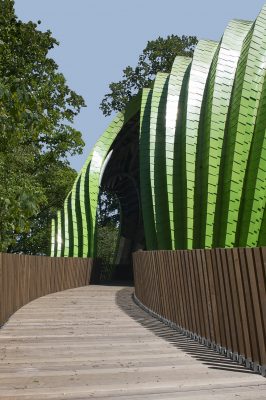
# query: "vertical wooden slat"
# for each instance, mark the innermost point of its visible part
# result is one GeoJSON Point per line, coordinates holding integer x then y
{"type": "Point", "coordinates": [10, 284]}
{"type": "Point", "coordinates": [86, 267]}
{"type": "Point", "coordinates": [27, 279]}
{"type": "Point", "coordinates": [172, 289]}
{"type": "Point", "coordinates": [164, 277]}
{"type": "Point", "coordinates": [220, 316]}
{"type": "Point", "coordinates": [145, 278]}
{"type": "Point", "coordinates": [263, 256]}
{"type": "Point", "coordinates": [229, 300]}
{"type": "Point", "coordinates": [235, 300]}
{"type": "Point", "coordinates": [165, 283]}
{"type": "Point", "coordinates": [154, 278]}
{"type": "Point", "coordinates": [260, 279]}
{"type": "Point", "coordinates": [221, 277]}
{"type": "Point", "coordinates": [180, 289]}
{"type": "Point", "coordinates": [212, 293]}
{"type": "Point", "coordinates": [52, 277]}
{"type": "Point", "coordinates": [38, 278]}
{"type": "Point", "coordinates": [218, 294]}
{"type": "Point", "coordinates": [209, 305]}
{"type": "Point", "coordinates": [249, 307]}
{"type": "Point", "coordinates": [200, 330]}
{"type": "Point", "coordinates": [1, 292]}
{"type": "Point", "coordinates": [206, 333]}
{"type": "Point", "coordinates": [242, 306]}
{"type": "Point", "coordinates": [159, 284]}
{"type": "Point", "coordinates": [82, 273]}
{"type": "Point", "coordinates": [3, 288]}
{"type": "Point", "coordinates": [194, 292]}
{"type": "Point", "coordinates": [30, 261]}
{"type": "Point", "coordinates": [15, 283]}
{"type": "Point", "coordinates": [188, 284]}
{"type": "Point", "coordinates": [175, 289]}
{"type": "Point", "coordinates": [255, 301]}
{"type": "Point", "coordinates": [186, 290]}
{"type": "Point", "coordinates": [23, 278]}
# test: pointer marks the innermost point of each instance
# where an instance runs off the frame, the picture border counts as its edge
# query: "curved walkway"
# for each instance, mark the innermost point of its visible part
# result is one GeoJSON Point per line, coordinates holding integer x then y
{"type": "Point", "coordinates": [95, 343]}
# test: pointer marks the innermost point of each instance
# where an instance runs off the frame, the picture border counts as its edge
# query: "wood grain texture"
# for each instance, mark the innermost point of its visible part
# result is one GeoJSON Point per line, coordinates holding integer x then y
{"type": "Point", "coordinates": [217, 294]}
{"type": "Point", "coordinates": [24, 278]}
{"type": "Point", "coordinates": [95, 343]}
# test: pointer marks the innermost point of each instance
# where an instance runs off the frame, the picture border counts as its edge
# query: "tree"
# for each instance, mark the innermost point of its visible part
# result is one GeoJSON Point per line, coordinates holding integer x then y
{"type": "Point", "coordinates": [37, 110]}
{"type": "Point", "coordinates": [108, 231]}
{"type": "Point", "coordinates": [158, 56]}
{"type": "Point", "coordinates": [57, 181]}
{"type": "Point", "coordinates": [108, 209]}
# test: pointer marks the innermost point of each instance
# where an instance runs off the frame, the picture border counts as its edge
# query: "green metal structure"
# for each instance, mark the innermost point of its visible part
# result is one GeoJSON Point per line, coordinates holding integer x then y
{"type": "Point", "coordinates": [187, 158]}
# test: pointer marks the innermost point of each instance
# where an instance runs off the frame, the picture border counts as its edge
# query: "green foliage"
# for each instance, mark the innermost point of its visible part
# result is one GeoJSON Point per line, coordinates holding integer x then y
{"type": "Point", "coordinates": [107, 238]}
{"type": "Point", "coordinates": [158, 56]}
{"type": "Point", "coordinates": [108, 231]}
{"type": "Point", "coordinates": [108, 209]}
{"type": "Point", "coordinates": [37, 109]}
{"type": "Point", "coordinates": [57, 181]}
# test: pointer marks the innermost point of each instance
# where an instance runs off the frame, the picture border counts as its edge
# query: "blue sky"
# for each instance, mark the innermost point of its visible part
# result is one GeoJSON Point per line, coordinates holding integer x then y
{"type": "Point", "coordinates": [98, 39]}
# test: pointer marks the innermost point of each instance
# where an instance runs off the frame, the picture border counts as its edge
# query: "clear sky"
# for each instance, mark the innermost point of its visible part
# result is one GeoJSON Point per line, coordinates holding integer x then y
{"type": "Point", "coordinates": [98, 39]}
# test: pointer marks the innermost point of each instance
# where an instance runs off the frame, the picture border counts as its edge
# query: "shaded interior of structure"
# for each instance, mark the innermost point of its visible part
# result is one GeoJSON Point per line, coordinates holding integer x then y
{"type": "Point", "coordinates": [121, 177]}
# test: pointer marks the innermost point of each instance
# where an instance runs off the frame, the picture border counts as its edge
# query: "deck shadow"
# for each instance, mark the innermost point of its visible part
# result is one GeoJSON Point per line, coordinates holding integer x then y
{"type": "Point", "coordinates": [208, 357]}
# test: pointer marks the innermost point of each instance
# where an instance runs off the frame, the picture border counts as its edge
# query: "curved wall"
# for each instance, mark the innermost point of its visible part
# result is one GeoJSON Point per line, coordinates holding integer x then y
{"type": "Point", "coordinates": [202, 152]}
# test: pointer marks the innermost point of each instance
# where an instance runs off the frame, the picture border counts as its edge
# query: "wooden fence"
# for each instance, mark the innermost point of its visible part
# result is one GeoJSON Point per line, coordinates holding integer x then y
{"type": "Point", "coordinates": [216, 296]}
{"type": "Point", "coordinates": [24, 278]}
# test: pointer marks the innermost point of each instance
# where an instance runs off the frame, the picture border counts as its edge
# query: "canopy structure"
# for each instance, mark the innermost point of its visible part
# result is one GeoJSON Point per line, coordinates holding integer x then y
{"type": "Point", "coordinates": [187, 158]}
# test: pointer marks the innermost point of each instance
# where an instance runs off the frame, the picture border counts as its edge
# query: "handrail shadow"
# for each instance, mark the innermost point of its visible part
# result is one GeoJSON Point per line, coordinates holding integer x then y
{"type": "Point", "coordinates": [207, 356]}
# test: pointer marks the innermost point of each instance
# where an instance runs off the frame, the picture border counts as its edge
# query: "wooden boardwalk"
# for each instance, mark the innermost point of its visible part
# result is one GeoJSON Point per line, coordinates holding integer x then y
{"type": "Point", "coordinates": [95, 343]}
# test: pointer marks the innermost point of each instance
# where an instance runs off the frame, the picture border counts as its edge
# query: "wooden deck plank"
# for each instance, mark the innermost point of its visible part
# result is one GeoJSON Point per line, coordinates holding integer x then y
{"type": "Point", "coordinates": [95, 343]}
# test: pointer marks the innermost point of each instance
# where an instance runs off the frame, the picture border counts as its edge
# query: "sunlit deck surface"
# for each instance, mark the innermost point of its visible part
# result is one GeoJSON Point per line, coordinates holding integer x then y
{"type": "Point", "coordinates": [95, 343]}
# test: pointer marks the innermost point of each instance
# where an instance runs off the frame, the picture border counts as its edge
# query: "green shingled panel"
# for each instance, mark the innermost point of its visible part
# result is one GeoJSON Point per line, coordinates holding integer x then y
{"type": "Point", "coordinates": [78, 250]}
{"type": "Point", "coordinates": [53, 238]}
{"type": "Point", "coordinates": [223, 196]}
{"type": "Point", "coordinates": [174, 108]}
{"type": "Point", "coordinates": [77, 216]}
{"type": "Point", "coordinates": [66, 235]}
{"type": "Point", "coordinates": [59, 235]}
{"type": "Point", "coordinates": [242, 120]}
{"type": "Point", "coordinates": [74, 206]}
{"type": "Point", "coordinates": [84, 196]}
{"type": "Point", "coordinates": [195, 138]}
{"type": "Point", "coordinates": [69, 216]}
{"type": "Point", "coordinates": [68, 227]}
{"type": "Point", "coordinates": [55, 231]}
{"type": "Point", "coordinates": [81, 215]}
{"type": "Point", "coordinates": [179, 170]}
{"type": "Point", "coordinates": [76, 220]}
{"type": "Point", "coordinates": [144, 167]}
{"type": "Point", "coordinates": [158, 161]}
{"type": "Point", "coordinates": [220, 85]}
{"type": "Point", "coordinates": [62, 218]}
{"type": "Point", "coordinates": [253, 196]}
{"type": "Point", "coordinates": [262, 234]}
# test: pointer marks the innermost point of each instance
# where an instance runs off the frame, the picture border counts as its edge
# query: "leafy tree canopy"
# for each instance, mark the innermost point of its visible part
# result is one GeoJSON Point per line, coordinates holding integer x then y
{"type": "Point", "coordinates": [158, 56]}
{"type": "Point", "coordinates": [57, 180]}
{"type": "Point", "coordinates": [37, 109]}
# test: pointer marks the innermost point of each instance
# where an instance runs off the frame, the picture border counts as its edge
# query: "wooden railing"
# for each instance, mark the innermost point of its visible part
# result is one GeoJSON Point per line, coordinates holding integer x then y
{"type": "Point", "coordinates": [24, 278]}
{"type": "Point", "coordinates": [215, 296]}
